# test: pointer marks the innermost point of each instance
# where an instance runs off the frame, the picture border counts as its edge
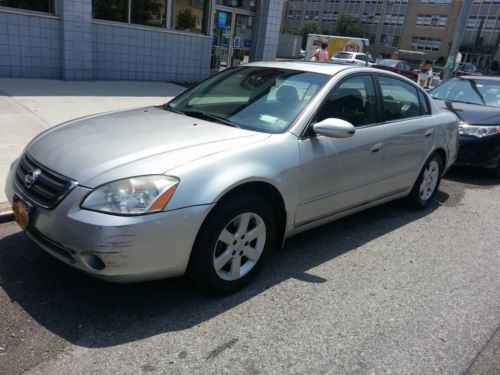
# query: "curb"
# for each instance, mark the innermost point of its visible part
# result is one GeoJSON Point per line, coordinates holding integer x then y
{"type": "Point", "coordinates": [6, 213]}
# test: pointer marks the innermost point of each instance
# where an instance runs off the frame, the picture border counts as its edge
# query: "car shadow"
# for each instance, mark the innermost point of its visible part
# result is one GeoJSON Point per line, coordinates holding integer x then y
{"type": "Point", "coordinates": [477, 177]}
{"type": "Point", "coordinates": [95, 314]}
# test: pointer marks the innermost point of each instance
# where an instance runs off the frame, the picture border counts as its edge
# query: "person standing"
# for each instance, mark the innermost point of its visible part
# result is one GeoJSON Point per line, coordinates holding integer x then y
{"type": "Point", "coordinates": [321, 54]}
{"type": "Point", "coordinates": [424, 73]}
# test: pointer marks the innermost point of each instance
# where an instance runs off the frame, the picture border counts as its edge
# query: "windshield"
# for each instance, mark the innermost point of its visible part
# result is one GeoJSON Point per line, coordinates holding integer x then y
{"type": "Point", "coordinates": [343, 55]}
{"type": "Point", "coordinates": [254, 98]}
{"type": "Point", "coordinates": [482, 92]}
{"type": "Point", "coordinates": [387, 62]}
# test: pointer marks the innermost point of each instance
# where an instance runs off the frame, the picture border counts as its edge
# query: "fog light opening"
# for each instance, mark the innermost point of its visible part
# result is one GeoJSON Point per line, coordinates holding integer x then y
{"type": "Point", "coordinates": [92, 261]}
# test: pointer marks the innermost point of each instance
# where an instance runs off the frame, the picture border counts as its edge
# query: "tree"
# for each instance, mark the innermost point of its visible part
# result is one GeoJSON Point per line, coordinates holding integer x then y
{"type": "Point", "coordinates": [186, 20]}
{"type": "Point", "coordinates": [308, 27]}
{"type": "Point", "coordinates": [347, 25]}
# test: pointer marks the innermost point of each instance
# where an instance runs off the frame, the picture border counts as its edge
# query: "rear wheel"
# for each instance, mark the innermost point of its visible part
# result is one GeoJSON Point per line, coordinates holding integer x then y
{"type": "Point", "coordinates": [233, 244]}
{"type": "Point", "coordinates": [427, 183]}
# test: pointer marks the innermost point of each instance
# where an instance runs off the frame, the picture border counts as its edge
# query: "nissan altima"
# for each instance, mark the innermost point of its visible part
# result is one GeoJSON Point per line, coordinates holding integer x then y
{"type": "Point", "coordinates": [209, 183]}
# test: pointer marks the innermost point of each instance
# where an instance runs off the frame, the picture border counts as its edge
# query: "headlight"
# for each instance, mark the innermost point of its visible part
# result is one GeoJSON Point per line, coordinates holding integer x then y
{"type": "Point", "coordinates": [132, 196]}
{"type": "Point", "coordinates": [478, 130]}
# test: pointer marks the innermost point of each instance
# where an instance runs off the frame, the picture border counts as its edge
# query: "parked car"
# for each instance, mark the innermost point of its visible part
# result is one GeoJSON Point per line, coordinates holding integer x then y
{"type": "Point", "coordinates": [466, 69]}
{"type": "Point", "coordinates": [211, 182]}
{"type": "Point", "coordinates": [352, 58]}
{"type": "Point", "coordinates": [397, 66]}
{"type": "Point", "coordinates": [476, 101]}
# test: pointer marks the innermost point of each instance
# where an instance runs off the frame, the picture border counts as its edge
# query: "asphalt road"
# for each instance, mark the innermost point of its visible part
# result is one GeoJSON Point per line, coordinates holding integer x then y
{"type": "Point", "coordinates": [389, 290]}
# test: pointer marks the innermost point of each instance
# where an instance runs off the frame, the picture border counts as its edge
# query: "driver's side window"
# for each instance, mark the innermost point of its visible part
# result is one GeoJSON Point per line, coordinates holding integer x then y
{"type": "Point", "coordinates": [353, 101]}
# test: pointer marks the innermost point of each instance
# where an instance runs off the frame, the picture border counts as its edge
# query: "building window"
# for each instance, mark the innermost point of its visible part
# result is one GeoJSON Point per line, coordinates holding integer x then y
{"type": "Point", "coordinates": [148, 12]}
{"type": "Point", "coordinates": [426, 44]}
{"type": "Point", "coordinates": [37, 5]}
{"type": "Point", "coordinates": [188, 15]}
{"type": "Point", "coordinates": [395, 41]}
{"type": "Point", "coordinates": [242, 4]}
{"type": "Point", "coordinates": [427, 20]}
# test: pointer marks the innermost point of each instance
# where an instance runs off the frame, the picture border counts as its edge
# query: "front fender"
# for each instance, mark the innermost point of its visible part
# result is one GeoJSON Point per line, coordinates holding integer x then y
{"type": "Point", "coordinates": [274, 161]}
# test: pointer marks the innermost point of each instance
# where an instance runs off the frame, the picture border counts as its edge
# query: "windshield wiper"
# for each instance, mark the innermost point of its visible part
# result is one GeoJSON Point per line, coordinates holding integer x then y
{"type": "Point", "coordinates": [167, 107]}
{"type": "Point", "coordinates": [209, 116]}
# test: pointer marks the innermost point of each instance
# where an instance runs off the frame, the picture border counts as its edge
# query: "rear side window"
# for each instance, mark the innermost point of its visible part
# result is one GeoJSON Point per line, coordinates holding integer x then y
{"type": "Point", "coordinates": [361, 57]}
{"type": "Point", "coordinates": [424, 104]}
{"type": "Point", "coordinates": [400, 99]}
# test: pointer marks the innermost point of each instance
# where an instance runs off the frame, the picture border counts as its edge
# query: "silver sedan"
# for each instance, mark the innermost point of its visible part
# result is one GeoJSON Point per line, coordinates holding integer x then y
{"type": "Point", "coordinates": [211, 182]}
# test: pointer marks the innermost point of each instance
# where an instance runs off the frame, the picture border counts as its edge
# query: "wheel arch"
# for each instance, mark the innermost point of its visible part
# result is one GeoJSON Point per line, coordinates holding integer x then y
{"type": "Point", "coordinates": [269, 193]}
{"type": "Point", "coordinates": [442, 154]}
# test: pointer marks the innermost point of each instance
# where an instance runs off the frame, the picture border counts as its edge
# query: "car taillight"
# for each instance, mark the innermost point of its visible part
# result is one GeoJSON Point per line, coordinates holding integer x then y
{"type": "Point", "coordinates": [350, 61]}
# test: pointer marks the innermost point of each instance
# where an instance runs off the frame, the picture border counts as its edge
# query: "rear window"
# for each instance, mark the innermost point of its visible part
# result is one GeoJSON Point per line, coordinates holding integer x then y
{"type": "Point", "coordinates": [343, 55]}
{"type": "Point", "coordinates": [361, 57]}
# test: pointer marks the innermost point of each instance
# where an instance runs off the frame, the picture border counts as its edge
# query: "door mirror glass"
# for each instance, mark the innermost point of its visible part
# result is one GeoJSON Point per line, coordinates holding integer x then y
{"type": "Point", "coordinates": [334, 128]}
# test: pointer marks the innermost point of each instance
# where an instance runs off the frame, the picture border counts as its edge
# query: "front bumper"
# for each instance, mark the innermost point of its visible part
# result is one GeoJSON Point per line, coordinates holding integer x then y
{"type": "Point", "coordinates": [127, 249]}
{"type": "Point", "coordinates": [479, 152]}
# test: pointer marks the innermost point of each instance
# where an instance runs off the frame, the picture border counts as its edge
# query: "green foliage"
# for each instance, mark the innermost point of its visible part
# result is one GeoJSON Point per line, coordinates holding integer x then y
{"type": "Point", "coordinates": [347, 25]}
{"type": "Point", "coordinates": [308, 27]}
{"type": "Point", "coordinates": [186, 20]}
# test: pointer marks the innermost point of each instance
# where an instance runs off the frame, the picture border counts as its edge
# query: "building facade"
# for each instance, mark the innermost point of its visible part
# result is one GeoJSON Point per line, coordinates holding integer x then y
{"type": "Point", "coordinates": [419, 25]}
{"type": "Point", "coordinates": [169, 40]}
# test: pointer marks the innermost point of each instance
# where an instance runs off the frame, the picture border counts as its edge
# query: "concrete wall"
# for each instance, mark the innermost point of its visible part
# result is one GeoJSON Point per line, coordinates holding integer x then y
{"type": "Point", "coordinates": [30, 45]}
{"type": "Point", "coordinates": [132, 53]}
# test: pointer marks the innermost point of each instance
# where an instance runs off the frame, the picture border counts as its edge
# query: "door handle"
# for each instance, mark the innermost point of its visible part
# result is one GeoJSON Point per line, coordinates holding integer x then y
{"type": "Point", "coordinates": [377, 147]}
{"type": "Point", "coordinates": [429, 132]}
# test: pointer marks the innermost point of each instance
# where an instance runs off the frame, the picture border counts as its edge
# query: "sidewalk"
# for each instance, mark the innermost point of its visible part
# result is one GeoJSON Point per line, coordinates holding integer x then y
{"type": "Point", "coordinates": [29, 106]}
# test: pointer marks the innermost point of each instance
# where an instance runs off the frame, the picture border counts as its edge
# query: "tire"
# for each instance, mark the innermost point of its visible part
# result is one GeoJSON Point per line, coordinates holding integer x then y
{"type": "Point", "coordinates": [427, 183]}
{"type": "Point", "coordinates": [225, 258]}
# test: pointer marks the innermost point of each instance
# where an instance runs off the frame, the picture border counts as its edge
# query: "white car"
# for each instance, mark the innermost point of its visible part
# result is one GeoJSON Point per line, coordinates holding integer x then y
{"type": "Point", "coordinates": [352, 58]}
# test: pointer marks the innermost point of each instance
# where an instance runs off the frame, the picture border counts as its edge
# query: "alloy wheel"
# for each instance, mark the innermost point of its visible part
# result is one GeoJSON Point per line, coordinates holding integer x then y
{"type": "Point", "coordinates": [239, 246]}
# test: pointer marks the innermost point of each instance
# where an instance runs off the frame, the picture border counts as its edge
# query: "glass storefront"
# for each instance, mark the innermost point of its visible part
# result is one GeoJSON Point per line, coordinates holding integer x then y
{"type": "Point", "coordinates": [37, 5]}
{"type": "Point", "coordinates": [232, 33]}
{"type": "Point", "coordinates": [189, 15]}
{"type": "Point", "coordinates": [148, 12]}
{"type": "Point", "coordinates": [249, 5]}
{"type": "Point", "coordinates": [186, 15]}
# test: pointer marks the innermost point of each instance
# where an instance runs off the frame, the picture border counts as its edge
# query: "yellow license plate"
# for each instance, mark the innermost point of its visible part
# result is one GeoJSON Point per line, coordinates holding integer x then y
{"type": "Point", "coordinates": [21, 213]}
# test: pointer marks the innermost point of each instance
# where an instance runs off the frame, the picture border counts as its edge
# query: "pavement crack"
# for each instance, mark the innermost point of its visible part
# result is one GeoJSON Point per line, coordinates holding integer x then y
{"type": "Point", "coordinates": [217, 351]}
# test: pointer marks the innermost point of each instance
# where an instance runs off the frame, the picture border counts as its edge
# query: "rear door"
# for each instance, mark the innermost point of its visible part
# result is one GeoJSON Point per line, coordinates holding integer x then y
{"type": "Point", "coordinates": [409, 131]}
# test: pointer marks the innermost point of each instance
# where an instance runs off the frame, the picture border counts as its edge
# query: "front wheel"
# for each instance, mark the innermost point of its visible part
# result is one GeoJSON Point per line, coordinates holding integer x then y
{"type": "Point", "coordinates": [233, 244]}
{"type": "Point", "coordinates": [427, 183]}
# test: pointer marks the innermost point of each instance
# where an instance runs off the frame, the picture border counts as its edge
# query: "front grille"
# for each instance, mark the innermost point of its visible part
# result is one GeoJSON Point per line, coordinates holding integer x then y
{"type": "Point", "coordinates": [48, 189]}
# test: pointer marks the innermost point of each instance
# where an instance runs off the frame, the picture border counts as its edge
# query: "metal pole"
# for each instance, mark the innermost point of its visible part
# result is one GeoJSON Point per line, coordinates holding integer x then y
{"type": "Point", "coordinates": [457, 38]}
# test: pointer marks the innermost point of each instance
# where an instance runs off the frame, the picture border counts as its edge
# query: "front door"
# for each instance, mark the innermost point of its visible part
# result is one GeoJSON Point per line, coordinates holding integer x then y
{"type": "Point", "coordinates": [338, 174]}
{"type": "Point", "coordinates": [232, 38]}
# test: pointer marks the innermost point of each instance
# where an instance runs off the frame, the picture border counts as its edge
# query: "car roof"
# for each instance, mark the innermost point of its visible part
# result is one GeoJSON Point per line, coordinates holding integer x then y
{"type": "Point", "coordinates": [313, 66]}
{"type": "Point", "coordinates": [484, 78]}
{"type": "Point", "coordinates": [327, 68]}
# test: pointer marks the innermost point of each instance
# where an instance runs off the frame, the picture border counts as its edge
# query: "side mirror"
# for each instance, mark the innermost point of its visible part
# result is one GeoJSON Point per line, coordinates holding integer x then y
{"type": "Point", "coordinates": [334, 128]}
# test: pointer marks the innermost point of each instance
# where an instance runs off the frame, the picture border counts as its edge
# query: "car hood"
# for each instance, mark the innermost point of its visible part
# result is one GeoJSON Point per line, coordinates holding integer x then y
{"type": "Point", "coordinates": [474, 114]}
{"type": "Point", "coordinates": [101, 148]}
